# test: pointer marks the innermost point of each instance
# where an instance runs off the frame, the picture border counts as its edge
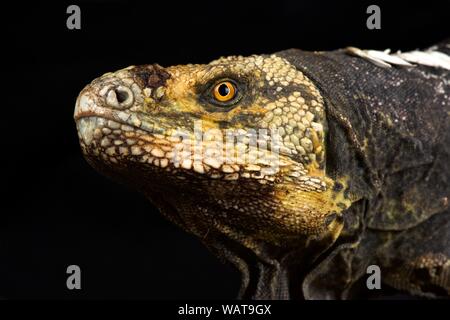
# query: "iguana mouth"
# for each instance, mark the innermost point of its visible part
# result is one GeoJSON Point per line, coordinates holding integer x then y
{"type": "Point", "coordinates": [120, 135]}
{"type": "Point", "coordinates": [114, 142]}
{"type": "Point", "coordinates": [127, 121]}
{"type": "Point", "coordinates": [93, 126]}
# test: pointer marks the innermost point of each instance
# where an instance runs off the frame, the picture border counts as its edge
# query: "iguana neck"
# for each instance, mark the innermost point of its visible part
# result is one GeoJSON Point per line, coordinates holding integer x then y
{"type": "Point", "coordinates": [269, 271]}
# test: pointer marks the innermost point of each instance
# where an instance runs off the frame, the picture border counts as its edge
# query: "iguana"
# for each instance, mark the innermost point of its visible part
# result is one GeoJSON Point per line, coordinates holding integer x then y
{"type": "Point", "coordinates": [299, 168]}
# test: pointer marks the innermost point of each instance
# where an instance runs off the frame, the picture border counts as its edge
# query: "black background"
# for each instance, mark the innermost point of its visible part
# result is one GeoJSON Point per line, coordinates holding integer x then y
{"type": "Point", "coordinates": [57, 211]}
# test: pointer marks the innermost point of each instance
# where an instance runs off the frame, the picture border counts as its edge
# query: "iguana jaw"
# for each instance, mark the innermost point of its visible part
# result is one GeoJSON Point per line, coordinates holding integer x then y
{"type": "Point", "coordinates": [287, 207]}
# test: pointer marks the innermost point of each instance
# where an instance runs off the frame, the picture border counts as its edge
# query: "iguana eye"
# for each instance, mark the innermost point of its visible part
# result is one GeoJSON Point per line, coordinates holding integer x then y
{"type": "Point", "coordinates": [224, 91]}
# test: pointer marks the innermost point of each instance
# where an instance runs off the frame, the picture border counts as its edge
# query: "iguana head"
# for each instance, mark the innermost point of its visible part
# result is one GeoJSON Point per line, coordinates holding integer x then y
{"type": "Point", "coordinates": [234, 145]}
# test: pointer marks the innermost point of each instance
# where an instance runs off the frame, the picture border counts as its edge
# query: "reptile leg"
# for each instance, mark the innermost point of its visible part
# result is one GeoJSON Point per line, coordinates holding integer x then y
{"type": "Point", "coordinates": [418, 259]}
{"type": "Point", "coordinates": [427, 275]}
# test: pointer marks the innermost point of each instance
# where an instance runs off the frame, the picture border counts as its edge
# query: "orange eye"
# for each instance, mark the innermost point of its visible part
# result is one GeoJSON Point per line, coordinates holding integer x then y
{"type": "Point", "coordinates": [224, 91]}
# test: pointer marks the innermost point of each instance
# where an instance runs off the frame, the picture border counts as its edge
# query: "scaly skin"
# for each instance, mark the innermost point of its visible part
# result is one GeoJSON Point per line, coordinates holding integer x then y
{"type": "Point", "coordinates": [289, 195]}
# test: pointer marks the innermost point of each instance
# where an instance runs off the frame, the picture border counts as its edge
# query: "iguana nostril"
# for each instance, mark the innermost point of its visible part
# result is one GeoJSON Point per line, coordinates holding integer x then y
{"type": "Point", "coordinates": [122, 95]}
{"type": "Point", "coordinates": [119, 97]}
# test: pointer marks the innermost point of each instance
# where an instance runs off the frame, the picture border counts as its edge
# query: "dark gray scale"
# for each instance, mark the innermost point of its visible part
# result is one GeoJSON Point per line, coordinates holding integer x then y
{"type": "Point", "coordinates": [389, 131]}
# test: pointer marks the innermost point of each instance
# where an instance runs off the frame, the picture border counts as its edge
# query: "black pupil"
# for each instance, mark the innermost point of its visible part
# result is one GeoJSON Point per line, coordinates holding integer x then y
{"type": "Point", "coordinates": [224, 90]}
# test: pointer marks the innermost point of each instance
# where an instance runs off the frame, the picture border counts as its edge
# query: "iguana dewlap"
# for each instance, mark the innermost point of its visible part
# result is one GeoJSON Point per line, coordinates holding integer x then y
{"type": "Point", "coordinates": [300, 168]}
